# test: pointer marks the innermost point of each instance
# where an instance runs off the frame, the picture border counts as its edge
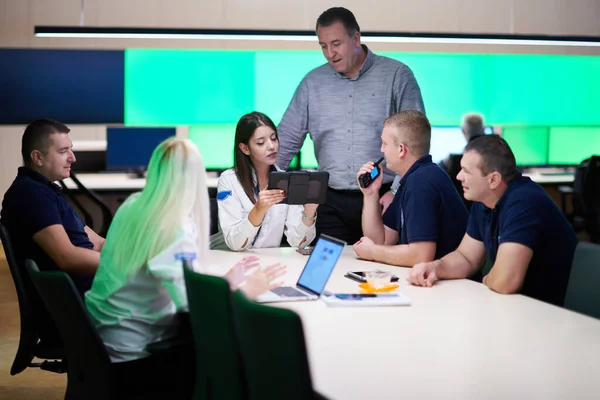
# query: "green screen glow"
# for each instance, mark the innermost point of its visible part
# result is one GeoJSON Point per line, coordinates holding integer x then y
{"type": "Point", "coordinates": [215, 143]}
{"type": "Point", "coordinates": [529, 144]}
{"type": "Point", "coordinates": [572, 145]}
{"type": "Point", "coordinates": [187, 87]}
{"type": "Point", "coordinates": [210, 90]}
{"type": "Point", "coordinates": [190, 87]}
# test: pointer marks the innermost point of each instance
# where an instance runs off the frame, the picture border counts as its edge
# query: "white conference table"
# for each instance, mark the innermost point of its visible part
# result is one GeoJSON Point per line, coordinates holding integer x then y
{"type": "Point", "coordinates": [458, 340]}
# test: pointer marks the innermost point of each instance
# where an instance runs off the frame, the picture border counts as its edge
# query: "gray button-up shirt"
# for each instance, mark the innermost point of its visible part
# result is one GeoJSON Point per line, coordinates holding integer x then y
{"type": "Point", "coordinates": [345, 116]}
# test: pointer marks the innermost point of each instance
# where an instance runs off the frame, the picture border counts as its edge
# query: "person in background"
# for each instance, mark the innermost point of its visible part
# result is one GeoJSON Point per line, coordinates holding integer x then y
{"type": "Point", "coordinates": [250, 215]}
{"type": "Point", "coordinates": [427, 218]}
{"type": "Point", "coordinates": [139, 287]}
{"type": "Point", "coordinates": [342, 104]}
{"type": "Point", "coordinates": [472, 127]}
{"type": "Point", "coordinates": [514, 222]}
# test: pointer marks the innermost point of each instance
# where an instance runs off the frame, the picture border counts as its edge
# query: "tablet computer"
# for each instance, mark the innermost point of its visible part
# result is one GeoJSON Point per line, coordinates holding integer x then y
{"type": "Point", "coordinates": [301, 187]}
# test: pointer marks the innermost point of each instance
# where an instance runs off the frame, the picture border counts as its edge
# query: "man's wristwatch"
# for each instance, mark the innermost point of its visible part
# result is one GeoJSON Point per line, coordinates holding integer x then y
{"type": "Point", "coordinates": [306, 217]}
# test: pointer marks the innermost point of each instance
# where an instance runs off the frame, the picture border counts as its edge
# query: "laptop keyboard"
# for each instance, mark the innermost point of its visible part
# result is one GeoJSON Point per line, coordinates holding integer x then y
{"type": "Point", "coordinates": [286, 291]}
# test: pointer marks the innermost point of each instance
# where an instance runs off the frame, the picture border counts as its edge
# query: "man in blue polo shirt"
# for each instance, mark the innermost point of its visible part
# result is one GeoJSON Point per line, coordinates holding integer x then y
{"type": "Point", "coordinates": [427, 218]}
{"type": "Point", "coordinates": [42, 224]}
{"type": "Point", "coordinates": [514, 221]}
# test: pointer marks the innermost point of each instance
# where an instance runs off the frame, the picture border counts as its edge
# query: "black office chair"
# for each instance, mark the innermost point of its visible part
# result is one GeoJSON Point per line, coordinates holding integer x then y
{"type": "Point", "coordinates": [214, 216]}
{"type": "Point", "coordinates": [582, 291]}
{"type": "Point", "coordinates": [282, 372]}
{"type": "Point", "coordinates": [107, 214]}
{"type": "Point", "coordinates": [586, 198]}
{"type": "Point", "coordinates": [33, 314]}
{"type": "Point", "coordinates": [453, 168]}
{"type": "Point", "coordinates": [219, 372]}
{"type": "Point", "coordinates": [89, 373]}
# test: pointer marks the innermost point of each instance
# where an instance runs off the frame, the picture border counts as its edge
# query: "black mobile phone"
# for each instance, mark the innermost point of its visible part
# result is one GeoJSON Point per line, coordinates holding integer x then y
{"type": "Point", "coordinates": [354, 296]}
{"type": "Point", "coordinates": [367, 178]}
{"type": "Point", "coordinates": [359, 276]}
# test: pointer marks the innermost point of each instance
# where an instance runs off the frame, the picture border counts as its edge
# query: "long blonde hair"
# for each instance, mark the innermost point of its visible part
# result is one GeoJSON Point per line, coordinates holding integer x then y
{"type": "Point", "coordinates": [148, 222]}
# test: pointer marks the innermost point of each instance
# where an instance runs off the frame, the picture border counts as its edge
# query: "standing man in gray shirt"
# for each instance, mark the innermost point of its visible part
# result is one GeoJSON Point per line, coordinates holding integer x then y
{"type": "Point", "coordinates": [343, 104]}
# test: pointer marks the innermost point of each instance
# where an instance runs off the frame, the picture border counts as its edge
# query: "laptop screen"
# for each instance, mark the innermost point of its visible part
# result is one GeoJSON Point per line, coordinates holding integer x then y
{"type": "Point", "coordinates": [320, 264]}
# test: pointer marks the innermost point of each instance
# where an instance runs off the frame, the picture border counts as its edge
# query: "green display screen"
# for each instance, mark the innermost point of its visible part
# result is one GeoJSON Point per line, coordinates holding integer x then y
{"type": "Point", "coordinates": [209, 90]}
{"type": "Point", "coordinates": [572, 145]}
{"type": "Point", "coordinates": [192, 87]}
{"type": "Point", "coordinates": [529, 144]}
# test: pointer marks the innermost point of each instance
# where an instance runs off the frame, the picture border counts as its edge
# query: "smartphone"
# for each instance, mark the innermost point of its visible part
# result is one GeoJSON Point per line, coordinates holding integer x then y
{"type": "Point", "coordinates": [354, 296]}
{"type": "Point", "coordinates": [305, 251]}
{"type": "Point", "coordinates": [360, 276]}
{"type": "Point", "coordinates": [367, 178]}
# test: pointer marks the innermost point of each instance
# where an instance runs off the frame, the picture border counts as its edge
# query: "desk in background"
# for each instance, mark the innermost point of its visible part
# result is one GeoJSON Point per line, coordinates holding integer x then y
{"type": "Point", "coordinates": [119, 182]}
{"type": "Point", "coordinates": [458, 340]}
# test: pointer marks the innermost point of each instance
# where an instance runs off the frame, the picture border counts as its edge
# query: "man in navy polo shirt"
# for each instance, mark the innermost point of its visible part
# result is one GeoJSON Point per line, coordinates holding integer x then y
{"type": "Point", "coordinates": [42, 224]}
{"type": "Point", "coordinates": [514, 221]}
{"type": "Point", "coordinates": [427, 218]}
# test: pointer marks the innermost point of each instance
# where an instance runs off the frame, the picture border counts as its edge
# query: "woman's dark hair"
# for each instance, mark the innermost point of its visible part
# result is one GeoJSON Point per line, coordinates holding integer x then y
{"type": "Point", "coordinates": [242, 163]}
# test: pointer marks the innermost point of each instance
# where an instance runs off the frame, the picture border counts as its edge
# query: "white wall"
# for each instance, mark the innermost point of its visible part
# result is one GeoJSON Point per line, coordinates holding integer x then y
{"type": "Point", "coordinates": [555, 17]}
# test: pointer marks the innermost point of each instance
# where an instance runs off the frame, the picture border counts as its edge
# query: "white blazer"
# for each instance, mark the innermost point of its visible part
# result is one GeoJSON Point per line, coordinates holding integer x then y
{"type": "Point", "coordinates": [238, 232]}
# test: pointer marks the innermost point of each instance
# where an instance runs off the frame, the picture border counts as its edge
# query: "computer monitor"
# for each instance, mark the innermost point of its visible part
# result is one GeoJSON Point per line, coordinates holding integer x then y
{"type": "Point", "coordinates": [129, 149]}
{"type": "Point", "coordinates": [529, 144]}
{"type": "Point", "coordinates": [569, 146]}
{"type": "Point", "coordinates": [446, 140]}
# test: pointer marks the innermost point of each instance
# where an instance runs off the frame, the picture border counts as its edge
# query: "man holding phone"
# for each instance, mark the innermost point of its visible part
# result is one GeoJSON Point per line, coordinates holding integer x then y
{"type": "Point", "coordinates": [427, 217]}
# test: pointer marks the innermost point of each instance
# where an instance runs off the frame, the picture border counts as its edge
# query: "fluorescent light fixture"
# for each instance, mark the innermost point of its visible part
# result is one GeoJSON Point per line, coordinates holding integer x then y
{"type": "Point", "coordinates": [298, 35]}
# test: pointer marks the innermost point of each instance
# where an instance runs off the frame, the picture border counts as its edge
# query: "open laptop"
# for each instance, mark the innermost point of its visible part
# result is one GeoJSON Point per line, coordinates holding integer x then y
{"type": "Point", "coordinates": [314, 276]}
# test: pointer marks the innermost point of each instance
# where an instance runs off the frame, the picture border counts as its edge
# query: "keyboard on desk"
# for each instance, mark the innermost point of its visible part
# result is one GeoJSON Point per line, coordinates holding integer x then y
{"type": "Point", "coordinates": [287, 291]}
{"type": "Point", "coordinates": [560, 173]}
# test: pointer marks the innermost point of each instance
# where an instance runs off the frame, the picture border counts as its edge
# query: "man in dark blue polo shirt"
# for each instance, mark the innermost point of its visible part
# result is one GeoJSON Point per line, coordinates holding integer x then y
{"type": "Point", "coordinates": [42, 224]}
{"type": "Point", "coordinates": [514, 221]}
{"type": "Point", "coordinates": [427, 217]}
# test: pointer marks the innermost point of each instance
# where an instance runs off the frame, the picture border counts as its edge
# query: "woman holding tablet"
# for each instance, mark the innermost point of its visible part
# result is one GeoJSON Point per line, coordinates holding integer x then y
{"type": "Point", "coordinates": [250, 216]}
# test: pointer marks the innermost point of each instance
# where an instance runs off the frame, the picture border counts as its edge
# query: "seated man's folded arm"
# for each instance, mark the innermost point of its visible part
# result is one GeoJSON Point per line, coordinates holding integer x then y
{"type": "Point", "coordinates": [467, 259]}
{"type": "Point", "coordinates": [405, 255]}
{"type": "Point", "coordinates": [69, 258]}
{"type": "Point", "coordinates": [96, 239]}
{"type": "Point", "coordinates": [508, 273]}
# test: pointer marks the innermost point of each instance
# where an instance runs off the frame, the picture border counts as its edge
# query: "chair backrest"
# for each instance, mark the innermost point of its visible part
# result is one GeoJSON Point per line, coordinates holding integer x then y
{"type": "Point", "coordinates": [107, 214]}
{"type": "Point", "coordinates": [218, 367]}
{"type": "Point", "coordinates": [31, 309]}
{"type": "Point", "coordinates": [88, 362]}
{"type": "Point", "coordinates": [87, 217]}
{"type": "Point", "coordinates": [273, 351]}
{"type": "Point", "coordinates": [586, 192]}
{"type": "Point", "coordinates": [214, 216]}
{"type": "Point", "coordinates": [582, 291]}
{"type": "Point", "coordinates": [453, 168]}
